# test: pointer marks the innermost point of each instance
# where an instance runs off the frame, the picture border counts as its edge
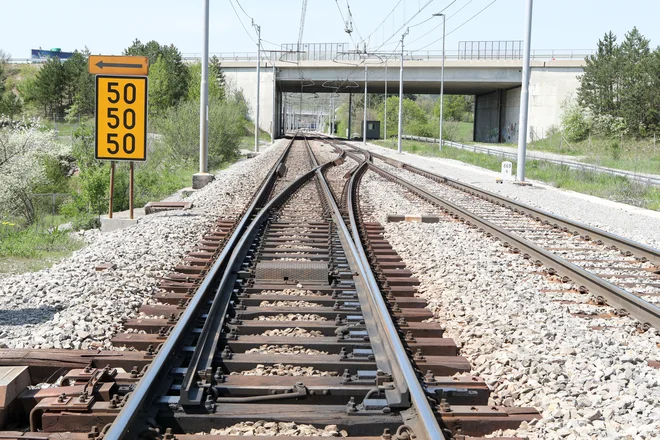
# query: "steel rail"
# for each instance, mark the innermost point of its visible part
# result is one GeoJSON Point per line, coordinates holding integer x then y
{"type": "Point", "coordinates": [424, 412]}
{"type": "Point", "coordinates": [399, 397]}
{"type": "Point", "coordinates": [428, 428]}
{"type": "Point", "coordinates": [159, 366]}
{"type": "Point", "coordinates": [202, 358]}
{"type": "Point", "coordinates": [642, 251]}
{"type": "Point", "coordinates": [623, 300]}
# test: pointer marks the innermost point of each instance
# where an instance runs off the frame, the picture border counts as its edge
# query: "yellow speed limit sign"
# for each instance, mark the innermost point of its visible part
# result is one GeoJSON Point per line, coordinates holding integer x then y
{"type": "Point", "coordinates": [121, 118]}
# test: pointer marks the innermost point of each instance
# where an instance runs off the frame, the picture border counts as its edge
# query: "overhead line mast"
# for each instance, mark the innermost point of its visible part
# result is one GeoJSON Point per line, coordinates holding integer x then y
{"type": "Point", "coordinates": [302, 22]}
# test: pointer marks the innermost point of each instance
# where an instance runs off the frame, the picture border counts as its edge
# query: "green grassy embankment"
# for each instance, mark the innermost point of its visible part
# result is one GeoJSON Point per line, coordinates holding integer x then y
{"type": "Point", "coordinates": [610, 187]}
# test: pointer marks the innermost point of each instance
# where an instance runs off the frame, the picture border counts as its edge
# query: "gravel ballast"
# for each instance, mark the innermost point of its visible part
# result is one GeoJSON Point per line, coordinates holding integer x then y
{"type": "Point", "coordinates": [278, 429]}
{"type": "Point", "coordinates": [526, 344]}
{"type": "Point", "coordinates": [71, 305]}
{"type": "Point", "coordinates": [637, 224]}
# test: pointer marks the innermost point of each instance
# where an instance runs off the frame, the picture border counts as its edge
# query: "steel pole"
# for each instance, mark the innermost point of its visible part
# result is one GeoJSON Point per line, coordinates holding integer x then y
{"type": "Point", "coordinates": [274, 117]}
{"type": "Point", "coordinates": [442, 80]}
{"type": "Point", "coordinates": [204, 97]}
{"type": "Point", "coordinates": [332, 115]}
{"type": "Point", "coordinates": [401, 96]}
{"type": "Point", "coordinates": [364, 122]}
{"type": "Point", "coordinates": [385, 117]}
{"type": "Point", "coordinates": [256, 117]}
{"type": "Point", "coordinates": [350, 114]}
{"type": "Point", "coordinates": [524, 96]}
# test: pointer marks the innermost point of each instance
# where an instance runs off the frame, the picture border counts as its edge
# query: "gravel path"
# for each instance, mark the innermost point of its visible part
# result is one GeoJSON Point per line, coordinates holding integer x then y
{"type": "Point", "coordinates": [638, 224]}
{"type": "Point", "coordinates": [525, 343]}
{"type": "Point", "coordinates": [71, 305]}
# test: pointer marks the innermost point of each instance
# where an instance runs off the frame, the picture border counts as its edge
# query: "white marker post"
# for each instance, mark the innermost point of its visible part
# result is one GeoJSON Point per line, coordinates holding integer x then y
{"type": "Point", "coordinates": [507, 169]}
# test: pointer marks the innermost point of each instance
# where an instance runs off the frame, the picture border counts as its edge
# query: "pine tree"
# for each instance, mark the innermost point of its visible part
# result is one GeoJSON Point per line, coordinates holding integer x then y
{"type": "Point", "coordinates": [599, 86]}
{"type": "Point", "coordinates": [636, 77]}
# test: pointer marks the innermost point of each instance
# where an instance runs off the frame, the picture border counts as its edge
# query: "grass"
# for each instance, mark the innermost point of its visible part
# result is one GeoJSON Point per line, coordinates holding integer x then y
{"type": "Point", "coordinates": [636, 155]}
{"type": "Point", "coordinates": [247, 141]}
{"type": "Point", "coordinates": [463, 132]}
{"type": "Point", "coordinates": [24, 249]}
{"type": "Point", "coordinates": [606, 186]}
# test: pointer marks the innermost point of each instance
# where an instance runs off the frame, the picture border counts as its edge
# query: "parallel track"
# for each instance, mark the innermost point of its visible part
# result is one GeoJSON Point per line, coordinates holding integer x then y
{"type": "Point", "coordinates": [542, 237]}
{"type": "Point", "coordinates": [299, 311]}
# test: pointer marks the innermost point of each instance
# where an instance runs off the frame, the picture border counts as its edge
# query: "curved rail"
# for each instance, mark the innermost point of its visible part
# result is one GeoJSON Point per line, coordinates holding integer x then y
{"type": "Point", "coordinates": [425, 424]}
{"type": "Point", "coordinates": [648, 314]}
{"type": "Point", "coordinates": [588, 232]}
{"type": "Point", "coordinates": [159, 366]}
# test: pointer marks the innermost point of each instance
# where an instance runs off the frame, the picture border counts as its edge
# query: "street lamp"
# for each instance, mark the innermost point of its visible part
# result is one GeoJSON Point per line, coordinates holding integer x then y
{"type": "Point", "coordinates": [401, 93]}
{"type": "Point", "coordinates": [256, 116]}
{"type": "Point", "coordinates": [524, 96]}
{"type": "Point", "coordinates": [442, 75]}
{"type": "Point", "coordinates": [364, 122]}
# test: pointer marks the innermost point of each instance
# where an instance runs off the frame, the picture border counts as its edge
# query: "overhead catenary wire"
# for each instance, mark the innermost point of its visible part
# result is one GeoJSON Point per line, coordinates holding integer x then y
{"type": "Point", "coordinates": [395, 33]}
{"type": "Point", "coordinates": [241, 21]}
{"type": "Point", "coordinates": [350, 15]}
{"type": "Point", "coordinates": [436, 27]}
{"type": "Point", "coordinates": [343, 20]}
{"type": "Point", "coordinates": [459, 26]}
{"type": "Point", "coordinates": [384, 19]}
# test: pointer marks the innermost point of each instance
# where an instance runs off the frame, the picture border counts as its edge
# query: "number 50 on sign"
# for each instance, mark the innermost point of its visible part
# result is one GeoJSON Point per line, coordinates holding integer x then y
{"type": "Point", "coordinates": [121, 118]}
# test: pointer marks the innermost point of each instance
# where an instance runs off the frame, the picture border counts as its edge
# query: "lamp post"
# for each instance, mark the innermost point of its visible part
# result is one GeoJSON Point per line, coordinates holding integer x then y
{"type": "Point", "coordinates": [385, 122]}
{"type": "Point", "coordinates": [364, 123]}
{"type": "Point", "coordinates": [524, 97]}
{"type": "Point", "coordinates": [442, 76]}
{"type": "Point", "coordinates": [202, 178]}
{"type": "Point", "coordinates": [401, 93]}
{"type": "Point", "coordinates": [256, 117]}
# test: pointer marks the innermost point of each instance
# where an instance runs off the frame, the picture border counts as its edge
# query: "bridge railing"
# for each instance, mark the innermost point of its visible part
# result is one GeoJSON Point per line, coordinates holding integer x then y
{"type": "Point", "coordinates": [536, 54]}
{"type": "Point", "coordinates": [294, 57]}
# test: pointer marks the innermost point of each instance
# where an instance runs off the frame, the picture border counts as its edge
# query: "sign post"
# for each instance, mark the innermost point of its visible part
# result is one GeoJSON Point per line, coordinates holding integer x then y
{"type": "Point", "coordinates": [121, 113]}
{"type": "Point", "coordinates": [112, 187]}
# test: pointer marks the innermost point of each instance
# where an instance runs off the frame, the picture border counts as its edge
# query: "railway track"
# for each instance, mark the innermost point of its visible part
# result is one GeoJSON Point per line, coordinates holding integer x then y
{"type": "Point", "coordinates": [613, 270]}
{"type": "Point", "coordinates": [297, 318]}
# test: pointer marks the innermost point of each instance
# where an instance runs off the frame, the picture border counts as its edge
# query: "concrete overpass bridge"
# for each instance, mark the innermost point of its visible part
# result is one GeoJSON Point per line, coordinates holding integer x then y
{"type": "Point", "coordinates": [495, 83]}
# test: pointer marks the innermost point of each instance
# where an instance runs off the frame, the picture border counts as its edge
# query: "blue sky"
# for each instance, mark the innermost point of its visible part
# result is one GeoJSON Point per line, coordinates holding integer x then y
{"type": "Point", "coordinates": [108, 27]}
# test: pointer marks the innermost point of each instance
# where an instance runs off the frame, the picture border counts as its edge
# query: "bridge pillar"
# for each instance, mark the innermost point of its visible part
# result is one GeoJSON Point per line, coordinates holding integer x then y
{"type": "Point", "coordinates": [496, 116]}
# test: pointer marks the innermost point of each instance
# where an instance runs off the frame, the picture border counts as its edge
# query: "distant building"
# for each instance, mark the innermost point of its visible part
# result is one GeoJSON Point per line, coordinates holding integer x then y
{"type": "Point", "coordinates": [373, 130]}
{"type": "Point", "coordinates": [43, 55]}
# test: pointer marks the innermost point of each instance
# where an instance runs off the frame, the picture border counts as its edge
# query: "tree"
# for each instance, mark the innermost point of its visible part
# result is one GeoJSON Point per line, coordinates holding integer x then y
{"type": "Point", "coordinates": [216, 85]}
{"type": "Point", "coordinates": [79, 85]}
{"type": "Point", "coordinates": [455, 107]}
{"type": "Point", "coordinates": [23, 150]}
{"type": "Point", "coordinates": [10, 104]}
{"type": "Point", "coordinates": [636, 76]}
{"type": "Point", "coordinates": [167, 69]}
{"type": "Point", "coordinates": [49, 87]}
{"type": "Point", "coordinates": [179, 127]}
{"type": "Point", "coordinates": [600, 83]}
{"type": "Point", "coordinates": [620, 83]}
{"type": "Point", "coordinates": [415, 120]}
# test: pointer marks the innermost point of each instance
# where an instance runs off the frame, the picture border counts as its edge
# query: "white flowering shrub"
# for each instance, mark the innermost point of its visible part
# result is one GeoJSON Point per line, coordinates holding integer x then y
{"type": "Point", "coordinates": [24, 145]}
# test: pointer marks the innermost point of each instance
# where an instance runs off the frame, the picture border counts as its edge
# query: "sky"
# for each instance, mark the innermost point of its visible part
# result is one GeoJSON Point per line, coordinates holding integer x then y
{"type": "Point", "coordinates": [107, 27]}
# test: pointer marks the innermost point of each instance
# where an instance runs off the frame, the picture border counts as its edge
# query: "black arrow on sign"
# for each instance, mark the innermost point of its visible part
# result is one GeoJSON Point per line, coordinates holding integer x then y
{"type": "Point", "coordinates": [101, 65]}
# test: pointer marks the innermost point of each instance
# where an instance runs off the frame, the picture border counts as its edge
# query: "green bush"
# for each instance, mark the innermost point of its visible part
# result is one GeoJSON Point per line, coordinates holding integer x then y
{"type": "Point", "coordinates": [179, 128]}
{"type": "Point", "coordinates": [84, 221]}
{"type": "Point", "coordinates": [574, 122]}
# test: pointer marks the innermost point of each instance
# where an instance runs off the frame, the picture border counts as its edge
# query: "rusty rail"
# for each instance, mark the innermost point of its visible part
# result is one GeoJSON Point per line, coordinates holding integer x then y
{"type": "Point", "coordinates": [647, 313]}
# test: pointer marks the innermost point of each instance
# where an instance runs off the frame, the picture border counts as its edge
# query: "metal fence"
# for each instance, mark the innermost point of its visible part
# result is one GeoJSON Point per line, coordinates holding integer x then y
{"type": "Point", "coordinates": [44, 210]}
{"type": "Point", "coordinates": [490, 50]}
{"type": "Point", "coordinates": [426, 55]}
{"type": "Point", "coordinates": [341, 52]}
{"type": "Point", "coordinates": [641, 178]}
